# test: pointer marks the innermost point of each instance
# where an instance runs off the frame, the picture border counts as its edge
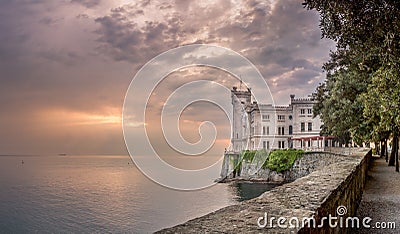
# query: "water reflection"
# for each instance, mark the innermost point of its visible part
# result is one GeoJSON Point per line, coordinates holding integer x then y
{"type": "Point", "coordinates": [75, 194]}
{"type": "Point", "coordinates": [91, 194]}
{"type": "Point", "coordinates": [248, 190]}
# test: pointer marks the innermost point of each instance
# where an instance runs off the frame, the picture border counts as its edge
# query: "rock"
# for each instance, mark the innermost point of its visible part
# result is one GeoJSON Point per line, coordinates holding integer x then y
{"type": "Point", "coordinates": [277, 177]}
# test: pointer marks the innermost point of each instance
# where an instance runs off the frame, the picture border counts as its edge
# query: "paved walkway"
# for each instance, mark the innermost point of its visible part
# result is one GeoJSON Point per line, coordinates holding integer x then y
{"type": "Point", "coordinates": [381, 197]}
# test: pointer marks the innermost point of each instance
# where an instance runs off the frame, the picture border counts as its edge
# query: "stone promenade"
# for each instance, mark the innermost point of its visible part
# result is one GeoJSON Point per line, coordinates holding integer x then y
{"type": "Point", "coordinates": [381, 197]}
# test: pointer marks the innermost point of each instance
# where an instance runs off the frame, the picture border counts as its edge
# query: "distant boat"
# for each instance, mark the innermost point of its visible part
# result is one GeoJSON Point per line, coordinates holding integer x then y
{"type": "Point", "coordinates": [62, 154]}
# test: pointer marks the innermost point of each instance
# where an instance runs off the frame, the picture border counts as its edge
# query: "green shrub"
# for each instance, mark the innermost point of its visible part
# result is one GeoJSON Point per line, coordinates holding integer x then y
{"type": "Point", "coordinates": [282, 160]}
{"type": "Point", "coordinates": [254, 156]}
{"type": "Point", "coordinates": [247, 155]}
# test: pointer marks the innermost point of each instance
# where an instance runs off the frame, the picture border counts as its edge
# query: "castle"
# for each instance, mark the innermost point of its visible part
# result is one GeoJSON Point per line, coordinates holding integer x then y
{"type": "Point", "coordinates": [257, 126]}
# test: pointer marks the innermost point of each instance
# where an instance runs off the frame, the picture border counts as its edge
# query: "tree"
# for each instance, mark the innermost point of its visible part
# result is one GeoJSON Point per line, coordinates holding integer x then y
{"type": "Point", "coordinates": [382, 101]}
{"type": "Point", "coordinates": [340, 105]}
{"type": "Point", "coordinates": [367, 33]}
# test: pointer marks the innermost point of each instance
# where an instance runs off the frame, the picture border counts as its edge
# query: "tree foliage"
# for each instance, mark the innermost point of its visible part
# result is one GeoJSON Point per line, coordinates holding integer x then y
{"type": "Point", "coordinates": [360, 98]}
{"type": "Point", "coordinates": [340, 106]}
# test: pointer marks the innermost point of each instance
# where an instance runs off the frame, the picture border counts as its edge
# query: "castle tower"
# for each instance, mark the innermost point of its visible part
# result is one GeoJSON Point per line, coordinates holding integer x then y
{"type": "Point", "coordinates": [240, 100]}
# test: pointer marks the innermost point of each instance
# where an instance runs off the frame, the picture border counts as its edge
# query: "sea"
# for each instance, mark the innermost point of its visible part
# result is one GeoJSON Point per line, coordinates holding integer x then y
{"type": "Point", "coordinates": [98, 193]}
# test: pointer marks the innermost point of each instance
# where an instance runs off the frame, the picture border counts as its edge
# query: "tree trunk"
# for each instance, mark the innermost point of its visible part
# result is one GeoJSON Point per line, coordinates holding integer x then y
{"type": "Point", "coordinates": [377, 148]}
{"type": "Point", "coordinates": [397, 154]}
{"type": "Point", "coordinates": [386, 150]}
{"type": "Point", "coordinates": [392, 158]}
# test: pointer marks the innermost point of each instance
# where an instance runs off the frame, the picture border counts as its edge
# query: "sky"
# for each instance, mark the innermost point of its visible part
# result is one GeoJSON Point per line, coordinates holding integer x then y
{"type": "Point", "coordinates": [65, 66]}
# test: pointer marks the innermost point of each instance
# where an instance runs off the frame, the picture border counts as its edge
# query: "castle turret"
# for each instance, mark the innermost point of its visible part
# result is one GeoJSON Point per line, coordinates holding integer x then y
{"type": "Point", "coordinates": [240, 100]}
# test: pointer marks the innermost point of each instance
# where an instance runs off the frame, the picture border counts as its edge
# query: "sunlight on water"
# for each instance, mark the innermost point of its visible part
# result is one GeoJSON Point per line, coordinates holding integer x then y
{"type": "Point", "coordinates": [96, 194]}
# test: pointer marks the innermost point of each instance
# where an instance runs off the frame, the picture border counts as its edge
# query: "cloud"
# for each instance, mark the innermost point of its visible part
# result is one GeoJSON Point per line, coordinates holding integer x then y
{"type": "Point", "coordinates": [87, 3]}
{"type": "Point", "coordinates": [80, 55]}
{"type": "Point", "coordinates": [49, 21]}
{"type": "Point", "coordinates": [271, 35]}
{"type": "Point", "coordinates": [82, 16]}
{"type": "Point", "coordinates": [124, 39]}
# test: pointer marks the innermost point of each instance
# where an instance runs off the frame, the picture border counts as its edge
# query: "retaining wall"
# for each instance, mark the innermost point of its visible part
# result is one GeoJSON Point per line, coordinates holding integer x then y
{"type": "Point", "coordinates": [316, 195]}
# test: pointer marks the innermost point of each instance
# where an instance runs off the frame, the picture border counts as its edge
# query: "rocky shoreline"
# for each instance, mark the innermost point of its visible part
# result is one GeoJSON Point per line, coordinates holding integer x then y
{"type": "Point", "coordinates": [303, 166]}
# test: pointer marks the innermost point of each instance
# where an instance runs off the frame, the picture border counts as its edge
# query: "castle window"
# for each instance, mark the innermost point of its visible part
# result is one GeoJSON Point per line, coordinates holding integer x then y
{"type": "Point", "coordinates": [302, 111]}
{"type": "Point", "coordinates": [309, 111]}
{"type": "Point", "coordinates": [267, 130]}
{"type": "Point", "coordinates": [264, 144]}
{"type": "Point", "coordinates": [281, 144]}
{"type": "Point", "coordinates": [281, 131]}
{"type": "Point", "coordinates": [290, 117]}
{"type": "Point", "coordinates": [265, 117]}
{"type": "Point", "coordinates": [290, 130]}
{"type": "Point", "coordinates": [303, 127]}
{"type": "Point", "coordinates": [263, 131]}
{"type": "Point", "coordinates": [281, 118]}
{"type": "Point", "coordinates": [309, 127]}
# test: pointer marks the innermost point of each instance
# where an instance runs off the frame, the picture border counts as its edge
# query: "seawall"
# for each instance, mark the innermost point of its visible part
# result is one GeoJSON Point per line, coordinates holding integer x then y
{"type": "Point", "coordinates": [316, 195]}
{"type": "Point", "coordinates": [309, 162]}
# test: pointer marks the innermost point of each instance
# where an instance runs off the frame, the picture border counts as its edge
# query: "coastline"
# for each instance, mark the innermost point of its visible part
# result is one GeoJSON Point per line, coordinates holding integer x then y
{"type": "Point", "coordinates": [251, 180]}
{"type": "Point", "coordinates": [315, 195]}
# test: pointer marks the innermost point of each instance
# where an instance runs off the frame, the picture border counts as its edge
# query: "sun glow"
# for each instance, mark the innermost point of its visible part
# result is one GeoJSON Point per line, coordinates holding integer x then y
{"type": "Point", "coordinates": [102, 119]}
{"type": "Point", "coordinates": [67, 117]}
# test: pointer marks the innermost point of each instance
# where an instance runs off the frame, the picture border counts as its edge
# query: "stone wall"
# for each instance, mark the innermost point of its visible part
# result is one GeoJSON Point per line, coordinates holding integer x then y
{"type": "Point", "coordinates": [344, 150]}
{"type": "Point", "coordinates": [228, 165]}
{"type": "Point", "coordinates": [315, 195]}
{"type": "Point", "coordinates": [311, 161]}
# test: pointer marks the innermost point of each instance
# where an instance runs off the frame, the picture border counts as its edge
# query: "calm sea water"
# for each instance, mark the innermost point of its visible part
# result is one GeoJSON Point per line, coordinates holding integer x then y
{"type": "Point", "coordinates": [99, 194]}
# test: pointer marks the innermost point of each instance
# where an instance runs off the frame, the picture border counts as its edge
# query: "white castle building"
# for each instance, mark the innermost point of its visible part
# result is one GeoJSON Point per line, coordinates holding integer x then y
{"type": "Point", "coordinates": [257, 126]}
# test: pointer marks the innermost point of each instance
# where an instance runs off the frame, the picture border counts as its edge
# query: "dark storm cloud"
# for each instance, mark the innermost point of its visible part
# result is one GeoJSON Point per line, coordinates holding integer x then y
{"type": "Point", "coordinates": [267, 34]}
{"type": "Point", "coordinates": [83, 16]}
{"type": "Point", "coordinates": [87, 3]}
{"type": "Point", "coordinates": [123, 39]}
{"type": "Point", "coordinates": [289, 37]}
